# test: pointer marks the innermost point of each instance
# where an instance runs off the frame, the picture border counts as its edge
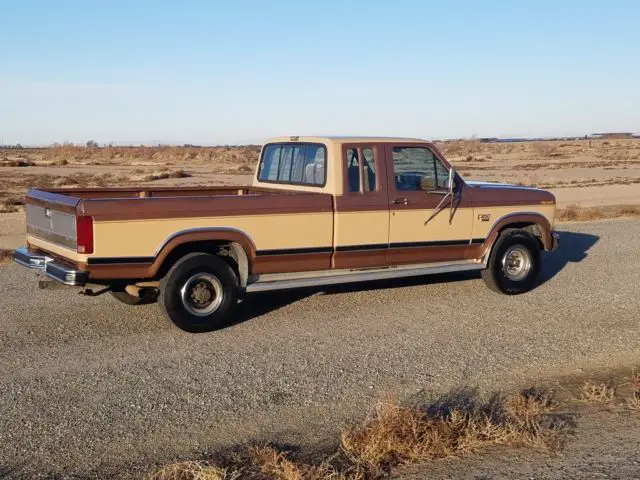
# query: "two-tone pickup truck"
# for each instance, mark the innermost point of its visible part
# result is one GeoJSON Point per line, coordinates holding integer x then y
{"type": "Point", "coordinates": [321, 210]}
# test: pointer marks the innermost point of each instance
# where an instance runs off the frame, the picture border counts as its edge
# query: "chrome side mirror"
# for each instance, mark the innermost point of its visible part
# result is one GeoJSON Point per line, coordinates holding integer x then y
{"type": "Point", "coordinates": [450, 181]}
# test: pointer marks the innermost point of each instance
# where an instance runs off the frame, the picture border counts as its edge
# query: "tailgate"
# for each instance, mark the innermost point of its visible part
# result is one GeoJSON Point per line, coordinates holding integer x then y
{"type": "Point", "coordinates": [52, 217]}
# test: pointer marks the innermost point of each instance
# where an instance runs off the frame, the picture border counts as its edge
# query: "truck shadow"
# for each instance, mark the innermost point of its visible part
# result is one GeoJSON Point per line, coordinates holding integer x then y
{"type": "Point", "coordinates": [573, 248]}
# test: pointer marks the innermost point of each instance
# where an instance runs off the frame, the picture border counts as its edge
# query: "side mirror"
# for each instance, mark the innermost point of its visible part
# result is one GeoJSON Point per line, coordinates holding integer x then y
{"type": "Point", "coordinates": [450, 182]}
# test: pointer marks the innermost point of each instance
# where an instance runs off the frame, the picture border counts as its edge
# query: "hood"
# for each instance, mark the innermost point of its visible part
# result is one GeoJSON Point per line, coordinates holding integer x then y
{"type": "Point", "coordinates": [479, 184]}
{"type": "Point", "coordinates": [508, 194]}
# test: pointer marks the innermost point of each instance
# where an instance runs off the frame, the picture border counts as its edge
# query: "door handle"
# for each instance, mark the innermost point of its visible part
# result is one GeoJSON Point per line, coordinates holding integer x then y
{"type": "Point", "coordinates": [400, 201]}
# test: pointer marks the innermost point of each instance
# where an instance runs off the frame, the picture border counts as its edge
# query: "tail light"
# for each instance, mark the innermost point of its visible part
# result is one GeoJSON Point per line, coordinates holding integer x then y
{"type": "Point", "coordinates": [84, 234]}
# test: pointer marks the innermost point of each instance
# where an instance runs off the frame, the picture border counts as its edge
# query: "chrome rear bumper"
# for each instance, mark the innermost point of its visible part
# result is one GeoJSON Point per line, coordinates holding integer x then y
{"type": "Point", "coordinates": [52, 268]}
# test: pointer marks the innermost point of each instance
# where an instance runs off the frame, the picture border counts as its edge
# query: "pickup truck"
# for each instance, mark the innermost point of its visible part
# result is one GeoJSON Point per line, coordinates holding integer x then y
{"type": "Point", "coordinates": [320, 211]}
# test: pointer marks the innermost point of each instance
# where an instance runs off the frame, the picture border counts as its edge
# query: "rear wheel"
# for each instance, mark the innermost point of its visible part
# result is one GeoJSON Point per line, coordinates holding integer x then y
{"type": "Point", "coordinates": [514, 263]}
{"type": "Point", "coordinates": [199, 293]}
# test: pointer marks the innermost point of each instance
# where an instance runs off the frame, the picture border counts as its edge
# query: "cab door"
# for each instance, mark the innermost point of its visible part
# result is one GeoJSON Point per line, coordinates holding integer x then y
{"type": "Point", "coordinates": [423, 226]}
{"type": "Point", "coordinates": [361, 217]}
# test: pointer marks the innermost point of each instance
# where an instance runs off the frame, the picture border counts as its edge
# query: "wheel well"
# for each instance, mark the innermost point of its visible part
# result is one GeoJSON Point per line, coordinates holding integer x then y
{"type": "Point", "coordinates": [531, 227]}
{"type": "Point", "coordinates": [232, 252]}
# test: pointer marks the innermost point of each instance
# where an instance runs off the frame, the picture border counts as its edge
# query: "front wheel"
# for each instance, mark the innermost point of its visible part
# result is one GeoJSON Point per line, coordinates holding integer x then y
{"type": "Point", "coordinates": [514, 263]}
{"type": "Point", "coordinates": [199, 293]}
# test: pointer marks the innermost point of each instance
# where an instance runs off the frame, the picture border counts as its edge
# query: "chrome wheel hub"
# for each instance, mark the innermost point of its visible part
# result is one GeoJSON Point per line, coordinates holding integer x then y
{"type": "Point", "coordinates": [516, 263]}
{"type": "Point", "coordinates": [202, 294]}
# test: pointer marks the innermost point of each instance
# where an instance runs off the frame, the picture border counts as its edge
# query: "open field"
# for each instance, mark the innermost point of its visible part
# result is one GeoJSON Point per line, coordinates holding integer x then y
{"type": "Point", "coordinates": [585, 172]}
{"type": "Point", "coordinates": [91, 388]}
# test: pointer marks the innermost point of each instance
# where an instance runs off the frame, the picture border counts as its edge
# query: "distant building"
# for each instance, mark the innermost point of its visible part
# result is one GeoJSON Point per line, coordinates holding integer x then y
{"type": "Point", "coordinates": [613, 135]}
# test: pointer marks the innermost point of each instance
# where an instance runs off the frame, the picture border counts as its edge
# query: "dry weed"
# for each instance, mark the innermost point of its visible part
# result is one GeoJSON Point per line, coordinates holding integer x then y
{"type": "Point", "coordinates": [576, 213]}
{"type": "Point", "coordinates": [544, 149]}
{"type": "Point", "coordinates": [634, 401]}
{"type": "Point", "coordinates": [5, 255]}
{"type": "Point", "coordinates": [597, 393]}
{"type": "Point", "coordinates": [277, 465]}
{"type": "Point", "coordinates": [398, 435]}
{"type": "Point", "coordinates": [162, 175]}
{"type": "Point", "coordinates": [17, 163]}
{"type": "Point", "coordinates": [193, 471]}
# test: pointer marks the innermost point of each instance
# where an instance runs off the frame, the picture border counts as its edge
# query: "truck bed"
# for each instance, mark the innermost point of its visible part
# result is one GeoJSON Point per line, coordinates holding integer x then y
{"type": "Point", "coordinates": [54, 215]}
{"type": "Point", "coordinates": [149, 202]}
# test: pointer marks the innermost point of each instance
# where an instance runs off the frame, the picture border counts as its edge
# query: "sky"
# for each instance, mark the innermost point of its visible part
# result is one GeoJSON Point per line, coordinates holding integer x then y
{"type": "Point", "coordinates": [227, 72]}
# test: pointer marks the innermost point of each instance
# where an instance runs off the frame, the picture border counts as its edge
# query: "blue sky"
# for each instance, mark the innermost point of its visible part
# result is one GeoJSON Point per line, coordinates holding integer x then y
{"type": "Point", "coordinates": [217, 72]}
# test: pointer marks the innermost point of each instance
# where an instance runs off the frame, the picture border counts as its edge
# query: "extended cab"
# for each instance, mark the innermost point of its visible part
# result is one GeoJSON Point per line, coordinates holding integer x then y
{"type": "Point", "coordinates": [321, 210]}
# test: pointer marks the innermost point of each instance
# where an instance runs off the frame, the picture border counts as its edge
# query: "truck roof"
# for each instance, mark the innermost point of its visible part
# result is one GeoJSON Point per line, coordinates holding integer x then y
{"type": "Point", "coordinates": [344, 139]}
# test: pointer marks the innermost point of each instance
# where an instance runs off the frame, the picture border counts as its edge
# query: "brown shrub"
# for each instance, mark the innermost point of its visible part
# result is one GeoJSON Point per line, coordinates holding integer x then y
{"type": "Point", "coordinates": [245, 169]}
{"type": "Point", "coordinates": [5, 255]}
{"type": "Point", "coordinates": [398, 435]}
{"type": "Point", "coordinates": [192, 471]}
{"type": "Point", "coordinates": [634, 401]}
{"type": "Point", "coordinates": [17, 163]}
{"type": "Point", "coordinates": [277, 465]}
{"type": "Point", "coordinates": [576, 213]}
{"type": "Point", "coordinates": [597, 392]}
{"type": "Point", "coordinates": [544, 149]}
{"type": "Point", "coordinates": [161, 176]}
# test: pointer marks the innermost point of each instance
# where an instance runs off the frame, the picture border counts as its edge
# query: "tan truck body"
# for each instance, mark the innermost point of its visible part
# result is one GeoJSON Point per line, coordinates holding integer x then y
{"type": "Point", "coordinates": [277, 231]}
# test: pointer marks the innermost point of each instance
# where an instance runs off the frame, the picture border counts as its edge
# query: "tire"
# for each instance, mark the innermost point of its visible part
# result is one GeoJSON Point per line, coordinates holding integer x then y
{"type": "Point", "coordinates": [199, 293]}
{"type": "Point", "coordinates": [147, 296]}
{"type": "Point", "coordinates": [514, 263]}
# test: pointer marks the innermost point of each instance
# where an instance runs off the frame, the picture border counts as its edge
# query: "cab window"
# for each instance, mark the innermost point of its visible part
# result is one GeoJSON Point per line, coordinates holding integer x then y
{"type": "Point", "coordinates": [360, 169]}
{"type": "Point", "coordinates": [293, 163]}
{"type": "Point", "coordinates": [417, 168]}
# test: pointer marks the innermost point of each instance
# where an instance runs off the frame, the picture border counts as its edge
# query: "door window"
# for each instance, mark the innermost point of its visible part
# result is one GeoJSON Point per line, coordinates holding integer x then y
{"type": "Point", "coordinates": [417, 168]}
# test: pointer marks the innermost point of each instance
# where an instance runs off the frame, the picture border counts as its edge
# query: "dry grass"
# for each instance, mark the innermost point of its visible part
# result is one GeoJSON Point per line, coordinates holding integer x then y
{"type": "Point", "coordinates": [634, 401]}
{"type": "Point", "coordinates": [545, 149]}
{"type": "Point", "coordinates": [574, 213]}
{"type": "Point", "coordinates": [11, 204]}
{"type": "Point", "coordinates": [396, 435]}
{"type": "Point", "coordinates": [16, 163]}
{"type": "Point", "coordinates": [276, 465]}
{"type": "Point", "coordinates": [160, 175]}
{"type": "Point", "coordinates": [5, 255]}
{"type": "Point", "coordinates": [193, 471]}
{"type": "Point", "coordinates": [597, 392]}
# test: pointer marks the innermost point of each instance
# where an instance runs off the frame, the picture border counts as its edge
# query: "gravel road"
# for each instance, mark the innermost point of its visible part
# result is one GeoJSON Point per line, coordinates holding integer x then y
{"type": "Point", "coordinates": [90, 387]}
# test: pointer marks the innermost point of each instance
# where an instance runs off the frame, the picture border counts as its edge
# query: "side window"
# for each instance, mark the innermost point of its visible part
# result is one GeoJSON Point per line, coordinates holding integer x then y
{"type": "Point", "coordinates": [353, 169]}
{"type": "Point", "coordinates": [360, 162]}
{"type": "Point", "coordinates": [417, 168]}
{"type": "Point", "coordinates": [369, 168]}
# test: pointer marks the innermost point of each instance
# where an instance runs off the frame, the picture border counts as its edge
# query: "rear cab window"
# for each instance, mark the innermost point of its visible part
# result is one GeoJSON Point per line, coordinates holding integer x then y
{"type": "Point", "coordinates": [294, 164]}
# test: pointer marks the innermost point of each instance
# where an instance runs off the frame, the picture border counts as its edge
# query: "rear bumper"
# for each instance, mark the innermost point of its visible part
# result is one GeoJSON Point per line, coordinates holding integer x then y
{"type": "Point", "coordinates": [555, 241]}
{"type": "Point", "coordinates": [54, 269]}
